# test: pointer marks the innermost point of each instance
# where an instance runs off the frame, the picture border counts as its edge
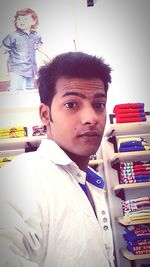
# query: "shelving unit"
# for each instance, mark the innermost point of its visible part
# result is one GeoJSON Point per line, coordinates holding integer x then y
{"type": "Point", "coordinates": [116, 191]}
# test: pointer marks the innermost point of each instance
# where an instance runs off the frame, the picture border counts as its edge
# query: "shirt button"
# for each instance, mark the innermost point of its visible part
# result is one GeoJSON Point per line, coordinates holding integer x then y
{"type": "Point", "coordinates": [105, 227]}
{"type": "Point", "coordinates": [103, 212]}
{"type": "Point", "coordinates": [98, 181]}
{"type": "Point", "coordinates": [105, 219]}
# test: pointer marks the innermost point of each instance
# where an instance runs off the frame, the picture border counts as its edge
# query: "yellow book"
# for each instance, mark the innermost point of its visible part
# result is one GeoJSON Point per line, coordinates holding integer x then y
{"type": "Point", "coordinates": [10, 129]}
{"type": "Point", "coordinates": [142, 217]}
{"type": "Point", "coordinates": [131, 138]}
{"type": "Point", "coordinates": [14, 134]}
{"type": "Point", "coordinates": [6, 159]}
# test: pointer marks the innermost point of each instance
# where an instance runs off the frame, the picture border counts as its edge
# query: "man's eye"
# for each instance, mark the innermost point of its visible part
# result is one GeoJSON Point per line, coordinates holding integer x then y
{"type": "Point", "coordinates": [70, 105]}
{"type": "Point", "coordinates": [99, 105]}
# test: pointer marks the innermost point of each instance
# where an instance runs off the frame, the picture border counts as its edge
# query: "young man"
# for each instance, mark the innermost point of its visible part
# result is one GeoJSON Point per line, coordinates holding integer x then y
{"type": "Point", "coordinates": [21, 46]}
{"type": "Point", "coordinates": [53, 208]}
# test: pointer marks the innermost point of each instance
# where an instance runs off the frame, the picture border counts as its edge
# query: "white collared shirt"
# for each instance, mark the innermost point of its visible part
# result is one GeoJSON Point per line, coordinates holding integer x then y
{"type": "Point", "coordinates": [46, 218]}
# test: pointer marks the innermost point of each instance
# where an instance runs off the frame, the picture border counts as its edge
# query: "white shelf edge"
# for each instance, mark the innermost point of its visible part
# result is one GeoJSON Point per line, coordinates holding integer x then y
{"type": "Point", "coordinates": [133, 155]}
{"type": "Point", "coordinates": [131, 186]}
{"type": "Point", "coordinates": [96, 161]}
{"type": "Point", "coordinates": [130, 256]}
{"type": "Point", "coordinates": [6, 143]}
{"type": "Point", "coordinates": [121, 129]}
{"type": "Point", "coordinates": [124, 222]}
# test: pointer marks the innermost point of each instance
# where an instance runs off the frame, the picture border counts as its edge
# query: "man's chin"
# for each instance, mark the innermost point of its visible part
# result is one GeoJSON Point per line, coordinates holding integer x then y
{"type": "Point", "coordinates": [87, 152]}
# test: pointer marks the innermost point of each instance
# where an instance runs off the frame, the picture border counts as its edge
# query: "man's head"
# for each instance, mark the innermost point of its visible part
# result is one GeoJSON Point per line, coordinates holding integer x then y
{"type": "Point", "coordinates": [73, 92]}
{"type": "Point", "coordinates": [71, 65]}
{"type": "Point", "coordinates": [26, 19]}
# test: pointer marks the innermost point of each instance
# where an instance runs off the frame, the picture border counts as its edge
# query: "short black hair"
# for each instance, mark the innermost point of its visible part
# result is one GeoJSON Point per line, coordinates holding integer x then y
{"type": "Point", "coordinates": [71, 65]}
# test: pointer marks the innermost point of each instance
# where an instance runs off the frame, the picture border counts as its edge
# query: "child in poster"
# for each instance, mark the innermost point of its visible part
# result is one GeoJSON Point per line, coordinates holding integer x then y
{"type": "Point", "coordinates": [21, 46]}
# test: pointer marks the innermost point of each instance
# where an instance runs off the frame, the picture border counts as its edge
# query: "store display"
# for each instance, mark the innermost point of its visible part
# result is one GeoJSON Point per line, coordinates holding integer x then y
{"type": "Point", "coordinates": [134, 172]}
{"type": "Point", "coordinates": [136, 209]}
{"type": "Point", "coordinates": [138, 239]}
{"type": "Point", "coordinates": [129, 112]}
{"type": "Point", "coordinates": [38, 130]}
{"type": "Point", "coordinates": [134, 143]}
{"type": "Point", "coordinates": [13, 132]}
{"type": "Point", "coordinates": [126, 154]}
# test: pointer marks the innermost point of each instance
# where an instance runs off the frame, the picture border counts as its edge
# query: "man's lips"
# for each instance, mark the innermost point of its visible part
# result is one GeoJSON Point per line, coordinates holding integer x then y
{"type": "Point", "coordinates": [89, 134]}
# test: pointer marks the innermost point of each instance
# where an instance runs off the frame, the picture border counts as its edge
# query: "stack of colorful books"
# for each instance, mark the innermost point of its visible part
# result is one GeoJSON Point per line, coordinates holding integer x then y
{"type": "Point", "coordinates": [136, 209]}
{"type": "Point", "coordinates": [129, 112]}
{"type": "Point", "coordinates": [133, 143]}
{"type": "Point", "coordinates": [134, 172]}
{"type": "Point", "coordinates": [138, 239]}
{"type": "Point", "coordinates": [13, 132]}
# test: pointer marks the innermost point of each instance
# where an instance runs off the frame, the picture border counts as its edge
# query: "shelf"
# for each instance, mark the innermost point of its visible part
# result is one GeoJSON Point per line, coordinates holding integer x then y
{"type": "Point", "coordinates": [124, 222]}
{"type": "Point", "coordinates": [19, 141]}
{"type": "Point", "coordinates": [134, 128]}
{"type": "Point", "coordinates": [131, 186]}
{"type": "Point", "coordinates": [12, 152]}
{"type": "Point", "coordinates": [95, 162]}
{"type": "Point", "coordinates": [112, 160]}
{"type": "Point", "coordinates": [19, 109]}
{"type": "Point", "coordinates": [130, 156]}
{"type": "Point", "coordinates": [130, 256]}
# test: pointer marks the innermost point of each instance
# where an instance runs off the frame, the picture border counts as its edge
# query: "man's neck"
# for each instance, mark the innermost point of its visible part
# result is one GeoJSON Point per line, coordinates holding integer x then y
{"type": "Point", "coordinates": [81, 161]}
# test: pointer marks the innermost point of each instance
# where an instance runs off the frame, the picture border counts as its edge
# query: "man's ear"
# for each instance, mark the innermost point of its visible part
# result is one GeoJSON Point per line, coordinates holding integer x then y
{"type": "Point", "coordinates": [44, 112]}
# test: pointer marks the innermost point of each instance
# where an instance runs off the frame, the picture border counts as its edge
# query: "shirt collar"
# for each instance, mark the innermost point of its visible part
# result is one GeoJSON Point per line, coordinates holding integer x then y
{"type": "Point", "coordinates": [24, 33]}
{"type": "Point", "coordinates": [55, 154]}
{"type": "Point", "coordinates": [59, 157]}
{"type": "Point", "coordinates": [94, 178]}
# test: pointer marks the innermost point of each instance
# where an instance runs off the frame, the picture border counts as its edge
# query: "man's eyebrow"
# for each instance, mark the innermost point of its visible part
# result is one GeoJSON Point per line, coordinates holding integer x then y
{"type": "Point", "coordinates": [97, 95]}
{"type": "Point", "coordinates": [100, 95]}
{"type": "Point", "coordinates": [74, 93]}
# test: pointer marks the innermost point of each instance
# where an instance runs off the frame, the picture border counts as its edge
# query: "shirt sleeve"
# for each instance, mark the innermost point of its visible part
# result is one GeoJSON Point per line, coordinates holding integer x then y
{"type": "Point", "coordinates": [39, 39]}
{"type": "Point", "coordinates": [21, 226]}
{"type": "Point", "coordinates": [7, 41]}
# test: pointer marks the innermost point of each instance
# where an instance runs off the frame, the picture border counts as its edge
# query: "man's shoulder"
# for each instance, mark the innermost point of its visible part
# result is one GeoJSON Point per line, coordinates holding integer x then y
{"type": "Point", "coordinates": [21, 163]}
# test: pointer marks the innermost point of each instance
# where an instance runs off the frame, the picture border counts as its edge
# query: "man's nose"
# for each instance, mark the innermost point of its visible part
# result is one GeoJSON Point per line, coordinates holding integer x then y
{"type": "Point", "coordinates": [89, 116]}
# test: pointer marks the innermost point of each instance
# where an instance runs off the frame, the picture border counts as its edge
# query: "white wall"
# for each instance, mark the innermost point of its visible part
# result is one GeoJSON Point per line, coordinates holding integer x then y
{"type": "Point", "coordinates": [117, 30]}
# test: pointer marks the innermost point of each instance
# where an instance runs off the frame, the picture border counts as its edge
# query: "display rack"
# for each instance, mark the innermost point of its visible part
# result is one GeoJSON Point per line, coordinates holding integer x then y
{"type": "Point", "coordinates": [117, 191]}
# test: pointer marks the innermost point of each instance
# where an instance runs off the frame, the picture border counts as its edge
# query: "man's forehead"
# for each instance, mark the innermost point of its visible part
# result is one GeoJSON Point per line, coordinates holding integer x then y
{"type": "Point", "coordinates": [80, 87]}
{"type": "Point", "coordinates": [79, 83]}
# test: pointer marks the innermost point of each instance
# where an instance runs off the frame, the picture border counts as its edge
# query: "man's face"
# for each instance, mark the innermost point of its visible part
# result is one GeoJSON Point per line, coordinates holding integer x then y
{"type": "Point", "coordinates": [78, 115]}
{"type": "Point", "coordinates": [24, 23]}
